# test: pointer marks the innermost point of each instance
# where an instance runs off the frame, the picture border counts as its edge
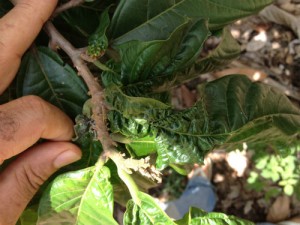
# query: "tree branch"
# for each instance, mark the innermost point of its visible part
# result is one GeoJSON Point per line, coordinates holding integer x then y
{"type": "Point", "coordinates": [99, 110]}
{"type": "Point", "coordinates": [95, 90]}
{"type": "Point", "coordinates": [70, 4]}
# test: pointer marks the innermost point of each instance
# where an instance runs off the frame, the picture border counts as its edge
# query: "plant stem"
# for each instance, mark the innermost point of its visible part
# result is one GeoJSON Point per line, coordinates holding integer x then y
{"type": "Point", "coordinates": [131, 185]}
{"type": "Point", "coordinates": [95, 90]}
{"type": "Point", "coordinates": [70, 4]}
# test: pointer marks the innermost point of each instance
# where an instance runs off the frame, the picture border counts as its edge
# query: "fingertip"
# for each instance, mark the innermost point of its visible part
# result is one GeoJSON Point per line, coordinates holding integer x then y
{"type": "Point", "coordinates": [71, 155]}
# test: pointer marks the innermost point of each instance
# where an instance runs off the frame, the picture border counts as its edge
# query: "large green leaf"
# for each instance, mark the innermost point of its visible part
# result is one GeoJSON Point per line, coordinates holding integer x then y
{"type": "Point", "coordinates": [232, 110]}
{"type": "Point", "coordinates": [148, 66]}
{"type": "Point", "coordinates": [141, 60]}
{"type": "Point", "coordinates": [147, 213]}
{"type": "Point", "coordinates": [154, 24]}
{"type": "Point", "coordinates": [43, 73]}
{"type": "Point", "coordinates": [83, 197]}
{"type": "Point", "coordinates": [227, 50]}
{"type": "Point", "coordinates": [132, 13]}
{"type": "Point", "coordinates": [197, 216]}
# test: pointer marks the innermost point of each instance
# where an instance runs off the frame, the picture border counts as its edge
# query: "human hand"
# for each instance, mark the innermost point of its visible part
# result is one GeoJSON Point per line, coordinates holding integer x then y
{"type": "Point", "coordinates": [24, 121]}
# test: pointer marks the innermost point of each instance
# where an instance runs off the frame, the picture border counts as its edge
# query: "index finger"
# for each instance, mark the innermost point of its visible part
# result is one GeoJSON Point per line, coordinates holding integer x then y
{"type": "Point", "coordinates": [18, 29]}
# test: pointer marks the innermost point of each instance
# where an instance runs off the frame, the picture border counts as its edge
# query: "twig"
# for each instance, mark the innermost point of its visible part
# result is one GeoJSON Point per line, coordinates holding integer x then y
{"type": "Point", "coordinates": [95, 90]}
{"type": "Point", "coordinates": [70, 4]}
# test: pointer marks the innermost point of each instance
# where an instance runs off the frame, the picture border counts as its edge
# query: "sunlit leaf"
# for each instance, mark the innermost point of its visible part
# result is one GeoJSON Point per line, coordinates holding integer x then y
{"type": "Point", "coordinates": [197, 216]}
{"type": "Point", "coordinates": [147, 213]}
{"type": "Point", "coordinates": [82, 197]}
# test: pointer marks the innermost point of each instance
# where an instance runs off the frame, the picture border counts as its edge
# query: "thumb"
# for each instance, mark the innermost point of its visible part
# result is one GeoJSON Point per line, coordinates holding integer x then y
{"type": "Point", "coordinates": [23, 177]}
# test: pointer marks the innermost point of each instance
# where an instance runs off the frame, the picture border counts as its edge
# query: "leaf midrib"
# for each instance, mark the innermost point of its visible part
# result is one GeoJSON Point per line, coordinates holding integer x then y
{"type": "Point", "coordinates": [36, 54]}
{"type": "Point", "coordinates": [96, 171]}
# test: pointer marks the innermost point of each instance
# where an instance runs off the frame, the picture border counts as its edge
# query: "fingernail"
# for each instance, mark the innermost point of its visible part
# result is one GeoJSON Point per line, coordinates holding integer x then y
{"type": "Point", "coordinates": [65, 158]}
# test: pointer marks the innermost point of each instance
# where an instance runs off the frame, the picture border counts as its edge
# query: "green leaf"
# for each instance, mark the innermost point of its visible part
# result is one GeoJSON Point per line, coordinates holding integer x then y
{"type": "Point", "coordinates": [154, 66]}
{"type": "Point", "coordinates": [81, 197]}
{"type": "Point", "coordinates": [132, 128]}
{"type": "Point", "coordinates": [131, 106]}
{"type": "Point", "coordinates": [227, 50]}
{"type": "Point", "coordinates": [288, 190]}
{"type": "Point", "coordinates": [130, 14]}
{"type": "Point", "coordinates": [191, 46]}
{"type": "Point", "coordinates": [143, 60]}
{"type": "Point", "coordinates": [147, 213]}
{"type": "Point", "coordinates": [232, 110]}
{"type": "Point", "coordinates": [197, 216]}
{"type": "Point", "coordinates": [158, 24]}
{"type": "Point", "coordinates": [28, 217]}
{"type": "Point", "coordinates": [142, 146]}
{"type": "Point", "coordinates": [262, 162]}
{"type": "Point", "coordinates": [98, 41]}
{"type": "Point", "coordinates": [43, 73]}
{"type": "Point", "coordinates": [83, 19]}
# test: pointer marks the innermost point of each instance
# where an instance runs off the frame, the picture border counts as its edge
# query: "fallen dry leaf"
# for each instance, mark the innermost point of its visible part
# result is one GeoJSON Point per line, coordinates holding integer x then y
{"type": "Point", "coordinates": [188, 98]}
{"type": "Point", "coordinates": [253, 74]}
{"type": "Point", "coordinates": [248, 207]}
{"type": "Point", "coordinates": [280, 210]}
{"type": "Point", "coordinates": [238, 161]}
{"type": "Point", "coordinates": [279, 16]}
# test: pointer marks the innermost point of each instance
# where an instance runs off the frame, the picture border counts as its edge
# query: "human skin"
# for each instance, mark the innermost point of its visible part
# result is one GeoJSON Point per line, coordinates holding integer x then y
{"type": "Point", "coordinates": [25, 120]}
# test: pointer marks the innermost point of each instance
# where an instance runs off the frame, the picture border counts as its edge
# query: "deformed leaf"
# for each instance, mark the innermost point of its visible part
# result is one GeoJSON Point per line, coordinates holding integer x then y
{"type": "Point", "coordinates": [43, 73]}
{"type": "Point", "coordinates": [231, 110]}
{"type": "Point", "coordinates": [81, 197]}
{"type": "Point", "coordinates": [131, 106]}
{"type": "Point", "coordinates": [147, 213]}
{"type": "Point", "coordinates": [136, 128]}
